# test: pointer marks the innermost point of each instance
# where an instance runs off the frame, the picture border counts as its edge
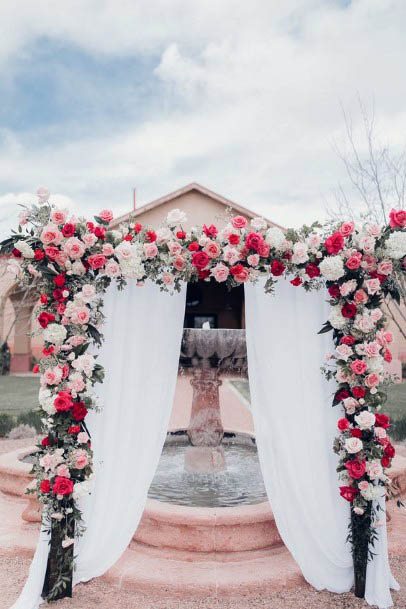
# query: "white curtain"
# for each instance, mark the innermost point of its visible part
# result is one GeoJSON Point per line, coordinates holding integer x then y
{"type": "Point", "coordinates": [295, 425]}
{"type": "Point", "coordinates": [143, 332]}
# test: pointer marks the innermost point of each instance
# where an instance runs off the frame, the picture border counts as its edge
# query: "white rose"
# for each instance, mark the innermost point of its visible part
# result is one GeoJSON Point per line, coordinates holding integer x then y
{"type": "Point", "coordinates": [25, 249]}
{"type": "Point", "coordinates": [332, 268]}
{"type": "Point", "coordinates": [353, 445]}
{"type": "Point", "coordinates": [163, 234]}
{"type": "Point", "coordinates": [55, 334]}
{"type": "Point", "coordinates": [365, 419]}
{"type": "Point", "coordinates": [300, 254]}
{"type": "Point", "coordinates": [396, 245]}
{"type": "Point", "coordinates": [175, 217]}
{"type": "Point", "coordinates": [275, 237]}
{"type": "Point", "coordinates": [336, 318]}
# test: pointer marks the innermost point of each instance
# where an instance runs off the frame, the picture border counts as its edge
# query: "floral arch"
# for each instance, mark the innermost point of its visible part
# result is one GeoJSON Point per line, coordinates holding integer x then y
{"type": "Point", "coordinates": [72, 261]}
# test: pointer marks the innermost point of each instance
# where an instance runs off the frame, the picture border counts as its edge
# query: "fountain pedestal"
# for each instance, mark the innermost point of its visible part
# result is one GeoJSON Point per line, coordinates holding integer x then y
{"type": "Point", "coordinates": [205, 427]}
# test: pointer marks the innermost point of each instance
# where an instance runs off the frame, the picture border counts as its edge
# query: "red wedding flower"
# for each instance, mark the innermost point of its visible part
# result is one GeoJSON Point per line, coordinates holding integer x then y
{"type": "Point", "coordinates": [358, 392]}
{"type": "Point", "coordinates": [200, 260]}
{"type": "Point", "coordinates": [385, 461]}
{"type": "Point", "coordinates": [62, 486]}
{"type": "Point", "coordinates": [387, 356]}
{"type": "Point", "coordinates": [234, 239]}
{"type": "Point", "coordinates": [334, 291]}
{"type": "Point", "coordinates": [52, 252]}
{"type": "Point", "coordinates": [210, 231]}
{"type": "Point", "coordinates": [16, 253]}
{"type": "Point", "coordinates": [312, 270]}
{"type": "Point", "coordinates": [239, 272]}
{"type": "Point", "coordinates": [79, 411]}
{"type": "Point", "coordinates": [389, 451]}
{"type": "Point", "coordinates": [353, 263]}
{"type": "Point", "coordinates": [68, 229]}
{"type": "Point", "coordinates": [358, 366]}
{"type": "Point", "coordinates": [60, 280]}
{"type": "Point", "coordinates": [150, 236]}
{"type": "Point", "coordinates": [347, 340]}
{"type": "Point", "coordinates": [128, 237]}
{"type": "Point", "coordinates": [349, 310]}
{"type": "Point", "coordinates": [348, 492]}
{"type": "Point", "coordinates": [193, 247]}
{"type": "Point", "coordinates": [181, 234]}
{"type": "Point", "coordinates": [296, 281]}
{"type": "Point", "coordinates": [334, 243]}
{"type": "Point", "coordinates": [45, 441]}
{"type": "Point", "coordinates": [356, 432]}
{"type": "Point", "coordinates": [342, 394]}
{"type": "Point", "coordinates": [45, 318]}
{"type": "Point", "coordinates": [100, 232]}
{"type": "Point", "coordinates": [343, 424]}
{"type": "Point", "coordinates": [45, 486]}
{"type": "Point", "coordinates": [137, 227]}
{"type": "Point", "coordinates": [39, 255]}
{"type": "Point", "coordinates": [74, 429]}
{"type": "Point", "coordinates": [382, 420]}
{"type": "Point", "coordinates": [356, 468]}
{"type": "Point", "coordinates": [63, 401]}
{"type": "Point", "coordinates": [397, 218]}
{"type": "Point", "coordinates": [277, 268]}
{"type": "Point", "coordinates": [253, 241]}
{"type": "Point", "coordinates": [97, 261]}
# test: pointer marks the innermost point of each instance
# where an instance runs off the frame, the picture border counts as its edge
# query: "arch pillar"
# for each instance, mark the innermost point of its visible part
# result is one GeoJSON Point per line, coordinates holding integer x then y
{"type": "Point", "coordinates": [21, 357]}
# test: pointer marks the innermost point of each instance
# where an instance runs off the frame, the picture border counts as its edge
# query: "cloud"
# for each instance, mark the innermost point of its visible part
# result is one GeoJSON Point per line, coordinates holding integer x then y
{"type": "Point", "coordinates": [242, 97]}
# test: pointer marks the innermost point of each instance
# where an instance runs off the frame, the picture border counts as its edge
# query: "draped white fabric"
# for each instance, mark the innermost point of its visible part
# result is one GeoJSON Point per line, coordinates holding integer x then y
{"type": "Point", "coordinates": [143, 332]}
{"type": "Point", "coordinates": [295, 425]}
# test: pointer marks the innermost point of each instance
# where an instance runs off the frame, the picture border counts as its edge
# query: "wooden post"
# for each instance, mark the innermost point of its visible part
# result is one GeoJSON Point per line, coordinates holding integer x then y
{"type": "Point", "coordinates": [59, 573]}
{"type": "Point", "coordinates": [360, 525]}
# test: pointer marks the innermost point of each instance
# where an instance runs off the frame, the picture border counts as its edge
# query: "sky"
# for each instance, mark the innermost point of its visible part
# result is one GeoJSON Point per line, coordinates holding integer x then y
{"type": "Point", "coordinates": [246, 98]}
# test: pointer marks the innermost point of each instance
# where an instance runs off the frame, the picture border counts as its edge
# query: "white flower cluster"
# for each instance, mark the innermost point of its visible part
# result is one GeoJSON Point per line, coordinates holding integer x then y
{"type": "Point", "coordinates": [55, 334]}
{"type": "Point", "coordinates": [332, 268]}
{"type": "Point", "coordinates": [396, 245]}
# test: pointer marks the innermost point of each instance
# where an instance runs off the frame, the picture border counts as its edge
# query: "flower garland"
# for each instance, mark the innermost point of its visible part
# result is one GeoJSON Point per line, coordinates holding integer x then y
{"type": "Point", "coordinates": [72, 261]}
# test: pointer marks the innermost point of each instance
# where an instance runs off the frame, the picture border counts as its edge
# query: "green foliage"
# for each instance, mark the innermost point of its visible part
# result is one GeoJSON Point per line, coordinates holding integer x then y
{"type": "Point", "coordinates": [6, 424]}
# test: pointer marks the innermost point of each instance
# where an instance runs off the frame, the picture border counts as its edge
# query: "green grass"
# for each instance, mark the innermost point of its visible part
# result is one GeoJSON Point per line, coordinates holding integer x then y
{"type": "Point", "coordinates": [18, 394]}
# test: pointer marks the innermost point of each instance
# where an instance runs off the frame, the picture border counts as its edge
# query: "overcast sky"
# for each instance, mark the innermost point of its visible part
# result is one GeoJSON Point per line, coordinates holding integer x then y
{"type": "Point", "coordinates": [99, 96]}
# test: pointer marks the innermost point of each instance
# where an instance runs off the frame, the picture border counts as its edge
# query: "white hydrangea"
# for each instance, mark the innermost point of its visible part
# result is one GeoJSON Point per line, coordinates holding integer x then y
{"type": "Point", "coordinates": [84, 363]}
{"type": "Point", "coordinates": [176, 217]}
{"type": "Point", "coordinates": [336, 318]}
{"type": "Point", "coordinates": [396, 245]}
{"type": "Point", "coordinates": [46, 399]}
{"type": "Point", "coordinates": [375, 364]}
{"type": "Point", "coordinates": [300, 254]}
{"type": "Point", "coordinates": [55, 334]}
{"type": "Point", "coordinates": [25, 249]}
{"type": "Point", "coordinates": [258, 224]}
{"type": "Point", "coordinates": [332, 268]}
{"type": "Point", "coordinates": [275, 237]}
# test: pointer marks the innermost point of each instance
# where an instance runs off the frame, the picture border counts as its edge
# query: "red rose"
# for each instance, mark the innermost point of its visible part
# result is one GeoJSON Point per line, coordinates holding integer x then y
{"type": "Point", "coordinates": [347, 340]}
{"type": "Point", "coordinates": [234, 239]}
{"type": "Point", "coordinates": [52, 252]}
{"type": "Point", "coordinates": [312, 270]}
{"type": "Point", "coordinates": [358, 392]}
{"type": "Point", "coordinates": [334, 243]}
{"type": "Point", "coordinates": [60, 280]}
{"type": "Point", "coordinates": [150, 236]}
{"type": "Point", "coordinates": [45, 486]}
{"type": "Point", "coordinates": [204, 274]}
{"type": "Point", "coordinates": [349, 310]}
{"type": "Point", "coordinates": [397, 218]}
{"type": "Point", "coordinates": [296, 281]}
{"type": "Point", "coordinates": [382, 420]}
{"type": "Point", "coordinates": [210, 231]}
{"type": "Point", "coordinates": [181, 234]}
{"type": "Point", "coordinates": [44, 299]}
{"type": "Point", "coordinates": [39, 255]}
{"type": "Point", "coordinates": [193, 247]}
{"type": "Point", "coordinates": [90, 226]}
{"type": "Point", "coordinates": [253, 241]}
{"type": "Point", "coordinates": [343, 424]}
{"type": "Point", "coordinates": [200, 260]}
{"type": "Point", "coordinates": [79, 411]}
{"type": "Point", "coordinates": [128, 237]}
{"type": "Point", "coordinates": [47, 351]}
{"type": "Point", "coordinates": [62, 486]}
{"type": "Point", "coordinates": [356, 432]}
{"type": "Point", "coordinates": [385, 461]}
{"type": "Point", "coordinates": [97, 261]}
{"type": "Point", "coordinates": [100, 232]}
{"type": "Point", "coordinates": [58, 294]}
{"type": "Point", "coordinates": [137, 227]}
{"type": "Point", "coordinates": [348, 492]}
{"type": "Point", "coordinates": [334, 291]}
{"type": "Point", "coordinates": [16, 253]}
{"type": "Point", "coordinates": [387, 356]}
{"type": "Point", "coordinates": [342, 394]}
{"type": "Point", "coordinates": [239, 272]}
{"type": "Point", "coordinates": [389, 451]}
{"type": "Point", "coordinates": [74, 429]}
{"type": "Point", "coordinates": [45, 441]}
{"type": "Point", "coordinates": [63, 401]}
{"type": "Point", "coordinates": [45, 318]}
{"type": "Point", "coordinates": [356, 468]}
{"type": "Point", "coordinates": [35, 369]}
{"type": "Point", "coordinates": [68, 229]}
{"type": "Point", "coordinates": [277, 268]}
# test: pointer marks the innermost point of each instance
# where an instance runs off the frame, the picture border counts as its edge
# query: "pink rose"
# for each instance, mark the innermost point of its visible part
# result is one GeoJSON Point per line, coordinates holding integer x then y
{"type": "Point", "coordinates": [376, 315]}
{"type": "Point", "coordinates": [212, 249]}
{"type": "Point", "coordinates": [347, 228]}
{"type": "Point", "coordinates": [368, 262]}
{"type": "Point", "coordinates": [174, 248]}
{"type": "Point", "coordinates": [107, 249]}
{"type": "Point", "coordinates": [358, 366]}
{"type": "Point", "coordinates": [240, 273]}
{"type": "Point", "coordinates": [239, 222]}
{"type": "Point", "coordinates": [150, 250]}
{"type": "Point", "coordinates": [80, 316]}
{"type": "Point", "coordinates": [220, 272]}
{"type": "Point", "coordinates": [179, 263]}
{"type": "Point", "coordinates": [168, 279]}
{"type": "Point", "coordinates": [353, 263]}
{"type": "Point", "coordinates": [372, 380]}
{"type": "Point", "coordinates": [83, 437]}
{"type": "Point", "coordinates": [360, 297]}
{"type": "Point", "coordinates": [97, 261]}
{"type": "Point", "coordinates": [58, 216]}
{"type": "Point", "coordinates": [61, 258]}
{"type": "Point", "coordinates": [385, 267]}
{"type": "Point", "coordinates": [373, 286]}
{"type": "Point", "coordinates": [63, 470]}
{"type": "Point", "coordinates": [89, 239]}
{"type": "Point", "coordinates": [80, 458]}
{"type": "Point", "coordinates": [74, 248]}
{"type": "Point", "coordinates": [231, 255]}
{"type": "Point", "coordinates": [52, 376]}
{"type": "Point", "coordinates": [106, 215]}
{"type": "Point", "coordinates": [397, 218]}
{"type": "Point", "coordinates": [253, 259]}
{"type": "Point", "coordinates": [51, 234]}
{"type": "Point", "coordinates": [363, 485]}
{"type": "Point", "coordinates": [372, 349]}
{"type": "Point", "coordinates": [112, 268]}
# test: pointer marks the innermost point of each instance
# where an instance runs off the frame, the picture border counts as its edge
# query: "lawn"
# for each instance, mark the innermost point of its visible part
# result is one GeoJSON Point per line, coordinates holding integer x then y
{"type": "Point", "coordinates": [20, 394]}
